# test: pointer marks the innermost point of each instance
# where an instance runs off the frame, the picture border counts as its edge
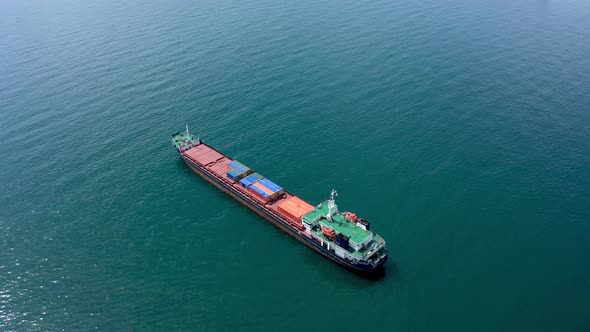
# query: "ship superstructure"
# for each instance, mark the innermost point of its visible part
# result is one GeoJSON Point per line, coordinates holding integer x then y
{"type": "Point", "coordinates": [342, 237]}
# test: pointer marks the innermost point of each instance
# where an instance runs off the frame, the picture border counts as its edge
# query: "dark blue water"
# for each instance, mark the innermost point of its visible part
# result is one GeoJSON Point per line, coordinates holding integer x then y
{"type": "Point", "coordinates": [461, 129]}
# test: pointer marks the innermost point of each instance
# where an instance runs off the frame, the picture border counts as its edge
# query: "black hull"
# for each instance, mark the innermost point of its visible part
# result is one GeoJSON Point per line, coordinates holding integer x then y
{"type": "Point", "coordinates": [283, 224]}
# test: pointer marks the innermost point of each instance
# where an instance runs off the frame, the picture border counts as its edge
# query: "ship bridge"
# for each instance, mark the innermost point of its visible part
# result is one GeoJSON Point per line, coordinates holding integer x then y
{"type": "Point", "coordinates": [358, 237]}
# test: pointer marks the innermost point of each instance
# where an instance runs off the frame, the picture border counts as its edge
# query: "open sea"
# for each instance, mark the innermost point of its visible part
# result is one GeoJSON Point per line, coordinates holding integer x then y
{"type": "Point", "coordinates": [459, 128]}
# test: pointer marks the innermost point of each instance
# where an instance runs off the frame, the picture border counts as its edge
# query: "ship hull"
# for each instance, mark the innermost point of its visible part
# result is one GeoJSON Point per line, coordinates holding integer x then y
{"type": "Point", "coordinates": [283, 224]}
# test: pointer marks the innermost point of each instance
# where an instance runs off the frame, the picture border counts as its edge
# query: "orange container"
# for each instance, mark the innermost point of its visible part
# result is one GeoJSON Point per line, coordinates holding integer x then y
{"type": "Point", "coordinates": [263, 188]}
{"type": "Point", "coordinates": [294, 207]}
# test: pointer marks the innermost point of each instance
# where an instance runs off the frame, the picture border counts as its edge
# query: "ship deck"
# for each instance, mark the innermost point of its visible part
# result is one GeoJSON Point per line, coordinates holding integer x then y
{"type": "Point", "coordinates": [217, 163]}
{"type": "Point", "coordinates": [340, 224]}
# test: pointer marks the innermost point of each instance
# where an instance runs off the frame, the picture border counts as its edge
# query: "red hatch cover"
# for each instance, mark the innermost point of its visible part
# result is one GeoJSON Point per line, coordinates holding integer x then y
{"type": "Point", "coordinates": [220, 167]}
{"type": "Point", "coordinates": [203, 154]}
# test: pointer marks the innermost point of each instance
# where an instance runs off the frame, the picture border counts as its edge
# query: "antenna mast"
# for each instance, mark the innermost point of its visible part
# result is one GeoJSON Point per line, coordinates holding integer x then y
{"type": "Point", "coordinates": [332, 204]}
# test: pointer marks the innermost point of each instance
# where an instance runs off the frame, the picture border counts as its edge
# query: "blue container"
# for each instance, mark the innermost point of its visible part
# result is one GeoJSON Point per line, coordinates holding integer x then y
{"type": "Point", "coordinates": [270, 185]}
{"type": "Point", "coordinates": [250, 179]}
{"type": "Point", "coordinates": [237, 166]}
{"type": "Point", "coordinates": [260, 192]}
{"type": "Point", "coordinates": [232, 174]}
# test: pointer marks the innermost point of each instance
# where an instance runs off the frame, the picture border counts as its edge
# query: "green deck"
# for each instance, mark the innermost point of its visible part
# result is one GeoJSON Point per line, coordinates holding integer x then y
{"type": "Point", "coordinates": [184, 141]}
{"type": "Point", "coordinates": [340, 224]}
{"type": "Point", "coordinates": [181, 138]}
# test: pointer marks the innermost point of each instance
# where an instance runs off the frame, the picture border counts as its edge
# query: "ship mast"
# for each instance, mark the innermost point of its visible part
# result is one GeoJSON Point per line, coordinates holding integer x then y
{"type": "Point", "coordinates": [332, 205]}
{"type": "Point", "coordinates": [187, 133]}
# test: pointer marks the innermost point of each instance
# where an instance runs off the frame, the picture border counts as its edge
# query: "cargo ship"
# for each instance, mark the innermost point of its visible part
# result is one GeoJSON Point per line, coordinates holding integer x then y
{"type": "Point", "coordinates": [342, 237]}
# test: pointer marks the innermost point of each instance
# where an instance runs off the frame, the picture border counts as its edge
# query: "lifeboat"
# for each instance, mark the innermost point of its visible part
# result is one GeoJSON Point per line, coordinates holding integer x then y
{"type": "Point", "coordinates": [350, 216]}
{"type": "Point", "coordinates": [329, 232]}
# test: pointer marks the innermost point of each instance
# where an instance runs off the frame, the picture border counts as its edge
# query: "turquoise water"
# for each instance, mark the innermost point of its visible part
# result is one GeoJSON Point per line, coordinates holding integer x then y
{"type": "Point", "coordinates": [460, 129]}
